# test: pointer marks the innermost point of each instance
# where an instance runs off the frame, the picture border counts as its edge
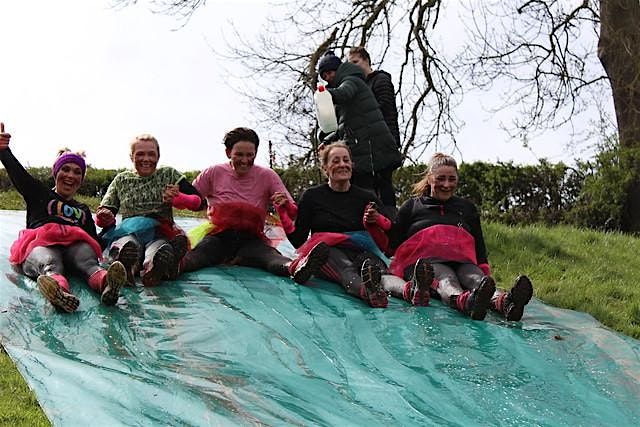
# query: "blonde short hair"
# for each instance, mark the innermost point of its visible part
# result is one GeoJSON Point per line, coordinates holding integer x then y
{"type": "Point", "coordinates": [142, 138]}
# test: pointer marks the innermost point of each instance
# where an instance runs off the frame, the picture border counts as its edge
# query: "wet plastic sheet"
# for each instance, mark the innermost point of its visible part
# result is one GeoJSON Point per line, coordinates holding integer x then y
{"type": "Point", "coordinates": [236, 346]}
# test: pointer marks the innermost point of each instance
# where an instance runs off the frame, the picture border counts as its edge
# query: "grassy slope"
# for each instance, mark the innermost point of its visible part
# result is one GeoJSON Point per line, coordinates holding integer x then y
{"type": "Point", "coordinates": [577, 269]}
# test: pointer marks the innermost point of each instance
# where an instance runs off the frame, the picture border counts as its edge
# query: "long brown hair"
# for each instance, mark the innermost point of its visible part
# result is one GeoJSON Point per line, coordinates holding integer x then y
{"type": "Point", "coordinates": [438, 159]}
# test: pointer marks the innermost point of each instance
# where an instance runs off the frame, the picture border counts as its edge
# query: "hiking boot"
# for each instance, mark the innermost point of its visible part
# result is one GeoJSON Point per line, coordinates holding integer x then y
{"type": "Point", "coordinates": [159, 266]}
{"type": "Point", "coordinates": [180, 245]}
{"type": "Point", "coordinates": [418, 289]}
{"type": "Point", "coordinates": [129, 256]}
{"type": "Point", "coordinates": [513, 302]}
{"type": "Point", "coordinates": [114, 280]}
{"type": "Point", "coordinates": [480, 299]}
{"type": "Point", "coordinates": [302, 269]}
{"type": "Point", "coordinates": [56, 295]}
{"type": "Point", "coordinates": [475, 303]}
{"type": "Point", "coordinates": [372, 290]}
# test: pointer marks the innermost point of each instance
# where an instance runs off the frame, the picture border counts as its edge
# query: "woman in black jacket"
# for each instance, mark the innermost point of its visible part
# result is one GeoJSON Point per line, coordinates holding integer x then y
{"type": "Point", "coordinates": [60, 232]}
{"type": "Point", "coordinates": [438, 229]}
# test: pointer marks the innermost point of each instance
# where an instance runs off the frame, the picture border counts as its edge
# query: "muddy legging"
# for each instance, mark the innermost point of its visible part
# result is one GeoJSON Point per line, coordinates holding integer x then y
{"type": "Point", "coordinates": [343, 267]}
{"type": "Point", "coordinates": [239, 248]}
{"type": "Point", "coordinates": [48, 260]}
{"type": "Point", "coordinates": [451, 278]}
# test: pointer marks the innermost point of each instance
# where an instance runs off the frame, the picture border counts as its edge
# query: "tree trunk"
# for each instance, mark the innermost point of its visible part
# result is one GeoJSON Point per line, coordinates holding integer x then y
{"type": "Point", "coordinates": [619, 53]}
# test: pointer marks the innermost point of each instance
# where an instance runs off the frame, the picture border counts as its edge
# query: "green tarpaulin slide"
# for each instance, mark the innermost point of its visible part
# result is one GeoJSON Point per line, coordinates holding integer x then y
{"type": "Point", "coordinates": [237, 346]}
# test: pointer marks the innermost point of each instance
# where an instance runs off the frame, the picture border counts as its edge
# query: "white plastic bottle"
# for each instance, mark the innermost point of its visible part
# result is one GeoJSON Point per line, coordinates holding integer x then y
{"type": "Point", "coordinates": [325, 110]}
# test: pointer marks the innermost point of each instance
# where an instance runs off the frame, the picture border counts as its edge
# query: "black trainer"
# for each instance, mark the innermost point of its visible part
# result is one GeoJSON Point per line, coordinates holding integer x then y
{"type": "Point", "coordinates": [480, 299]}
{"type": "Point", "coordinates": [519, 296]}
{"type": "Point", "coordinates": [310, 264]}
{"type": "Point", "coordinates": [157, 268]}
{"type": "Point", "coordinates": [372, 290]}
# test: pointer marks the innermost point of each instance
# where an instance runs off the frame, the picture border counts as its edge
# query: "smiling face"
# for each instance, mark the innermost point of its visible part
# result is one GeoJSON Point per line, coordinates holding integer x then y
{"type": "Point", "coordinates": [338, 166]}
{"type": "Point", "coordinates": [443, 181]}
{"type": "Point", "coordinates": [145, 156]}
{"type": "Point", "coordinates": [242, 156]}
{"type": "Point", "coordinates": [68, 180]}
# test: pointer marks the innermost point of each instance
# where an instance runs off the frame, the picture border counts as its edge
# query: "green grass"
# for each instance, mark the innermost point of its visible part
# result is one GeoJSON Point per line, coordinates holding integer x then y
{"type": "Point", "coordinates": [18, 404]}
{"type": "Point", "coordinates": [571, 268]}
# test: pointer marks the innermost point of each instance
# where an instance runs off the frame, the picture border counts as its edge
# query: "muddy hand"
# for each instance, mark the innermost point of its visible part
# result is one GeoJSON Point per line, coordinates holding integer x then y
{"type": "Point", "coordinates": [4, 138]}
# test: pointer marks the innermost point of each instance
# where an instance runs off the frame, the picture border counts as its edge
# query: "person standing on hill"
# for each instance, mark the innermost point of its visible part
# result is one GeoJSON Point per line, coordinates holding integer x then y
{"type": "Point", "coordinates": [382, 87]}
{"type": "Point", "coordinates": [362, 126]}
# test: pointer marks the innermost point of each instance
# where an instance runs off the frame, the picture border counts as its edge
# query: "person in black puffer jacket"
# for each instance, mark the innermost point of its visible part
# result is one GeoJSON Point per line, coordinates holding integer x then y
{"type": "Point", "coordinates": [382, 87]}
{"type": "Point", "coordinates": [361, 125]}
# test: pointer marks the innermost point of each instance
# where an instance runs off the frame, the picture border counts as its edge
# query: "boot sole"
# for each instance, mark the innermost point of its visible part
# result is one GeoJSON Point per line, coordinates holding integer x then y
{"type": "Point", "coordinates": [316, 258]}
{"type": "Point", "coordinates": [483, 298]}
{"type": "Point", "coordinates": [519, 296]}
{"type": "Point", "coordinates": [115, 280]}
{"type": "Point", "coordinates": [180, 246]}
{"type": "Point", "coordinates": [371, 280]}
{"type": "Point", "coordinates": [57, 296]}
{"type": "Point", "coordinates": [423, 277]}
{"type": "Point", "coordinates": [129, 256]}
{"type": "Point", "coordinates": [160, 263]}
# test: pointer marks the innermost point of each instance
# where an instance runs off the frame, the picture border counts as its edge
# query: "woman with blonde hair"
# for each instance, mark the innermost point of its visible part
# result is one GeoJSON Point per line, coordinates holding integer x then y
{"type": "Point", "coordinates": [340, 215]}
{"type": "Point", "coordinates": [439, 235]}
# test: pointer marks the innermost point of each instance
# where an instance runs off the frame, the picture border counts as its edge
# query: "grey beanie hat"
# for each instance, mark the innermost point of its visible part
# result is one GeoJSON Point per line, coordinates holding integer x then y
{"type": "Point", "coordinates": [328, 62]}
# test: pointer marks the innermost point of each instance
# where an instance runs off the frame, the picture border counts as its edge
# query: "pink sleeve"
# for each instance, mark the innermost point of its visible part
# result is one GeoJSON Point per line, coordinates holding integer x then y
{"type": "Point", "coordinates": [287, 224]}
{"type": "Point", "coordinates": [187, 201]}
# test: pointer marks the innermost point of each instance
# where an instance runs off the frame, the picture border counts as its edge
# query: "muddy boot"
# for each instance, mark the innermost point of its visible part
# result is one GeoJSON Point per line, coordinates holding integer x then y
{"type": "Point", "coordinates": [511, 304]}
{"type": "Point", "coordinates": [114, 280]}
{"type": "Point", "coordinates": [302, 269]}
{"type": "Point", "coordinates": [129, 256]}
{"type": "Point", "coordinates": [372, 291]}
{"type": "Point", "coordinates": [57, 295]}
{"type": "Point", "coordinates": [417, 290]}
{"type": "Point", "coordinates": [158, 267]}
{"type": "Point", "coordinates": [475, 303]}
{"type": "Point", "coordinates": [180, 246]}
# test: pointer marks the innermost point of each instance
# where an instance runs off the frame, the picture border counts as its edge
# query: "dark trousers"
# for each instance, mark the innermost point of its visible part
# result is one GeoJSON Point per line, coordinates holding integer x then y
{"type": "Point", "coordinates": [236, 247]}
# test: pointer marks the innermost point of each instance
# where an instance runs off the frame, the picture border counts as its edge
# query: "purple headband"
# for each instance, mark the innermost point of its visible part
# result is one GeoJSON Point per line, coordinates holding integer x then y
{"type": "Point", "coordinates": [69, 158]}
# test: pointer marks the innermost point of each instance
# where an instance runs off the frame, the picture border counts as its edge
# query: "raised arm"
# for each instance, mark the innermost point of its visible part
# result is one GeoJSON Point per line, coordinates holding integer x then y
{"type": "Point", "coordinates": [20, 178]}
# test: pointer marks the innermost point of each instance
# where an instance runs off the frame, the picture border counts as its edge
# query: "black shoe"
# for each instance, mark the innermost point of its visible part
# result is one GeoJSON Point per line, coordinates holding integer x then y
{"type": "Point", "coordinates": [519, 296]}
{"type": "Point", "coordinates": [129, 256]}
{"type": "Point", "coordinates": [157, 269]}
{"type": "Point", "coordinates": [180, 245]}
{"type": "Point", "coordinates": [480, 299]}
{"type": "Point", "coordinates": [372, 290]}
{"type": "Point", "coordinates": [310, 264]}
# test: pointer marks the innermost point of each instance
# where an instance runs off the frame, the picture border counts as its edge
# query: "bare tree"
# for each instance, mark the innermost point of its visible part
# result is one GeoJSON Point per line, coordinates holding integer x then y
{"type": "Point", "coordinates": [544, 49]}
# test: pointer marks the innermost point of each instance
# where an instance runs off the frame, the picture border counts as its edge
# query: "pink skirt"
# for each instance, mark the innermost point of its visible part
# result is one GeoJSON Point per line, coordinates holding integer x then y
{"type": "Point", "coordinates": [49, 235]}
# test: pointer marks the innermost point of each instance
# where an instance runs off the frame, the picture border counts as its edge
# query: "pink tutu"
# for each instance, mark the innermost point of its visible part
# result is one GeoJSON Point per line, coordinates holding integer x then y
{"type": "Point", "coordinates": [441, 242]}
{"type": "Point", "coordinates": [49, 234]}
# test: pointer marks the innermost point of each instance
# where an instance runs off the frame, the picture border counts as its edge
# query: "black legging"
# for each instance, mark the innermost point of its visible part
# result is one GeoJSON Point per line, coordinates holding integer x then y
{"type": "Point", "coordinates": [343, 267]}
{"type": "Point", "coordinates": [241, 248]}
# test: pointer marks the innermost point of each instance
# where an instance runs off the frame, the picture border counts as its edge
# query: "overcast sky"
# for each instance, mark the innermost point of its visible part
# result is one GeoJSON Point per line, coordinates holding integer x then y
{"type": "Point", "coordinates": [82, 74]}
